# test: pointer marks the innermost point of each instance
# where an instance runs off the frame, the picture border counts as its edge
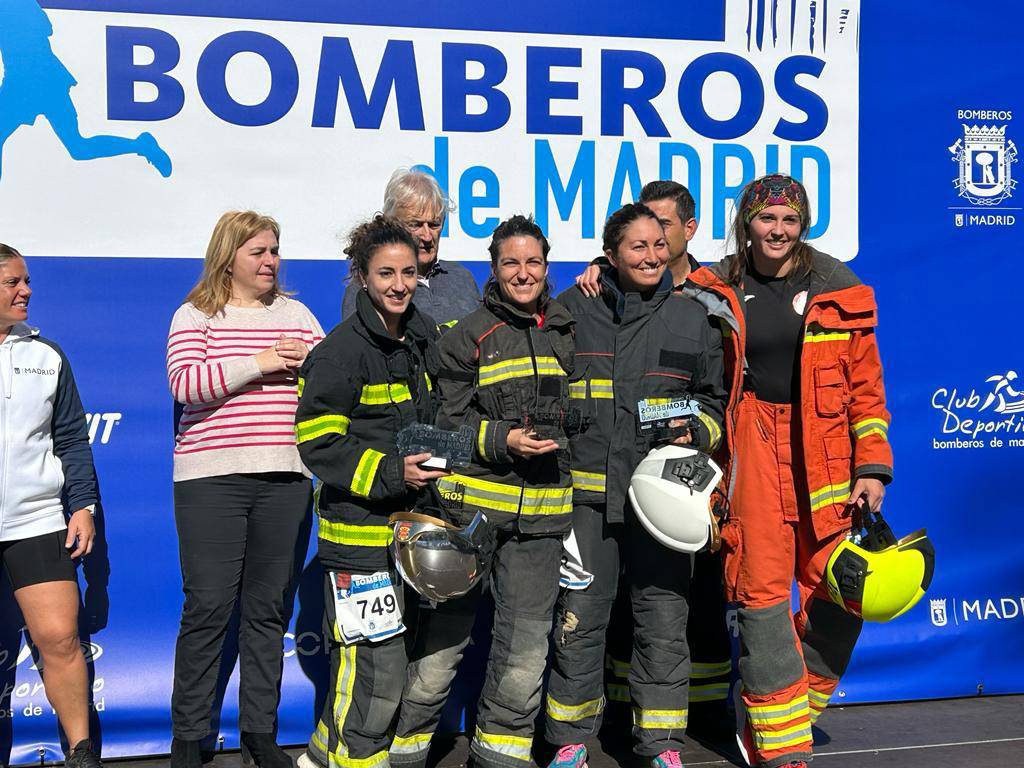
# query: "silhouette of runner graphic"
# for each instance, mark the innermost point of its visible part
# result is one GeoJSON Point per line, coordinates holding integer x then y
{"type": "Point", "coordinates": [36, 84]}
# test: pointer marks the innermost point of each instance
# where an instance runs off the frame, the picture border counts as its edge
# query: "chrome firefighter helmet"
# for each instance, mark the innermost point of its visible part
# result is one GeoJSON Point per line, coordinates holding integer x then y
{"type": "Point", "coordinates": [440, 560]}
{"type": "Point", "coordinates": [874, 576]}
{"type": "Point", "coordinates": [671, 494]}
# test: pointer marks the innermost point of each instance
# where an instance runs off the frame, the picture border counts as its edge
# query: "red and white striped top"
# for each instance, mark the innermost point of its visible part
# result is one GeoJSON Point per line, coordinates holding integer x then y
{"type": "Point", "coordinates": [235, 419]}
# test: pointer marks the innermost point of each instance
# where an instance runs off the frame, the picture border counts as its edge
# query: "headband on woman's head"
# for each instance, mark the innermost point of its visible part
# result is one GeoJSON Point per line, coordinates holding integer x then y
{"type": "Point", "coordinates": [774, 190]}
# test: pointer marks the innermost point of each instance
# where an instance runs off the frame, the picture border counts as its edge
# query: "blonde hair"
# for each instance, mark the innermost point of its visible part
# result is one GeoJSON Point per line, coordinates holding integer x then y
{"type": "Point", "coordinates": [213, 291]}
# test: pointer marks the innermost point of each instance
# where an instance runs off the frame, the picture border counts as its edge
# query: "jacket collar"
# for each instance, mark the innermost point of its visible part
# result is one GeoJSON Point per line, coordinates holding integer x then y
{"type": "Point", "coordinates": [616, 298]}
{"type": "Point", "coordinates": [413, 322]}
{"type": "Point", "coordinates": [555, 315]}
{"type": "Point", "coordinates": [21, 331]}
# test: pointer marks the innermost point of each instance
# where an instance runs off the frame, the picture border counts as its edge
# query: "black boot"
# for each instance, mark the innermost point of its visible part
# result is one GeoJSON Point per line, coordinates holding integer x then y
{"type": "Point", "coordinates": [83, 755]}
{"type": "Point", "coordinates": [261, 750]}
{"type": "Point", "coordinates": [185, 753]}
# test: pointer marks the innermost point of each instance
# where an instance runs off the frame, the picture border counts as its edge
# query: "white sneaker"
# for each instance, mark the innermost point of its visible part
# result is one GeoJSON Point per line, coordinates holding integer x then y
{"type": "Point", "coordinates": [306, 760]}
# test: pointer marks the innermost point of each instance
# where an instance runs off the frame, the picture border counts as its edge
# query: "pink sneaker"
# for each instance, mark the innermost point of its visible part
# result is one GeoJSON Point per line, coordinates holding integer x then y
{"type": "Point", "coordinates": [570, 756]}
{"type": "Point", "coordinates": [668, 759]}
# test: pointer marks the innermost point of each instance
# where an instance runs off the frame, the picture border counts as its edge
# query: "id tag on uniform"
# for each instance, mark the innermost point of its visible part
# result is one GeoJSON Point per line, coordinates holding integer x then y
{"type": "Point", "coordinates": [656, 413]}
{"type": "Point", "coordinates": [366, 607]}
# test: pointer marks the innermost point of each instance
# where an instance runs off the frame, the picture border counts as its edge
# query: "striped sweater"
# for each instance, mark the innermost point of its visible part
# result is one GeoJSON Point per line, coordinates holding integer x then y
{"type": "Point", "coordinates": [235, 419]}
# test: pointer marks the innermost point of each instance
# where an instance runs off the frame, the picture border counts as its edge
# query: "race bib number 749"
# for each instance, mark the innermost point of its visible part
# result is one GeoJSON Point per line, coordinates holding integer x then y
{"type": "Point", "coordinates": [366, 607]}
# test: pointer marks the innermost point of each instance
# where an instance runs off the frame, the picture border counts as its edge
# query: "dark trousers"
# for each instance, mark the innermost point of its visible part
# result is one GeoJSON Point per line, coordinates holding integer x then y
{"type": "Point", "coordinates": [524, 583]}
{"type": "Point", "coordinates": [659, 671]}
{"type": "Point", "coordinates": [366, 685]}
{"type": "Point", "coordinates": [237, 536]}
{"type": "Point", "coordinates": [706, 633]}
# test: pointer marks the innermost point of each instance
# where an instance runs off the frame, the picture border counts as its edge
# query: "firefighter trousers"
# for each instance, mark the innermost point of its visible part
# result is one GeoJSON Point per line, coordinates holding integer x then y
{"type": "Point", "coordinates": [789, 664]}
{"type": "Point", "coordinates": [366, 686]}
{"type": "Point", "coordinates": [659, 671]}
{"type": "Point", "coordinates": [524, 585]}
{"type": "Point", "coordinates": [707, 634]}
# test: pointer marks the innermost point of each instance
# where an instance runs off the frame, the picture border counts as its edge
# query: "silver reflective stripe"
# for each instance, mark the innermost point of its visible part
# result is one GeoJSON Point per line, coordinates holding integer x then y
{"type": "Point", "coordinates": [516, 747]}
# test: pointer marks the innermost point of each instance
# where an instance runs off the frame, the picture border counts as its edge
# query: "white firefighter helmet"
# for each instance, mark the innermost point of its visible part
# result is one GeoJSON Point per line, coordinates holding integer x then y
{"type": "Point", "coordinates": [671, 494]}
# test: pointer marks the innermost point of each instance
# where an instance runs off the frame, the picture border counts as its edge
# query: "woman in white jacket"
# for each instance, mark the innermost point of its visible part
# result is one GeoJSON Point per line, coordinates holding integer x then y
{"type": "Point", "coordinates": [48, 495]}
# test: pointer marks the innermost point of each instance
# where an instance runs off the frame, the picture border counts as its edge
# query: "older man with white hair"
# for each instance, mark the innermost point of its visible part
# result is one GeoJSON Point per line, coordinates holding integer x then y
{"type": "Point", "coordinates": [446, 291]}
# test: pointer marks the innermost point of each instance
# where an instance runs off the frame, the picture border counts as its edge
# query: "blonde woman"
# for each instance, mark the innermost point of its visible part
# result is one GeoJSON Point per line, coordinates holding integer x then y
{"type": "Point", "coordinates": [240, 490]}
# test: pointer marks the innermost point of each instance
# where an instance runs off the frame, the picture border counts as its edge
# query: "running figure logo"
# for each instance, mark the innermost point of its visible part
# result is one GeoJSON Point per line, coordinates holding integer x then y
{"type": "Point", "coordinates": [36, 84]}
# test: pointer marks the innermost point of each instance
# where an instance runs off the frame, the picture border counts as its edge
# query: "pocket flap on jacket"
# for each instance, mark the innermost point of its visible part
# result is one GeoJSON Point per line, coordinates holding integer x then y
{"type": "Point", "coordinates": [829, 377]}
{"type": "Point", "coordinates": [838, 447]}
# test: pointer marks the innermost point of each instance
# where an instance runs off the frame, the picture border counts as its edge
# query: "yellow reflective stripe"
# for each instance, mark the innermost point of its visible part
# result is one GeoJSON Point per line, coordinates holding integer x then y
{"type": "Point", "coordinates": [481, 439]}
{"type": "Point", "coordinates": [301, 386]}
{"type": "Point", "coordinates": [714, 430]}
{"type": "Point", "coordinates": [659, 400]}
{"type": "Point", "coordinates": [588, 481]}
{"type": "Point", "coordinates": [482, 493]}
{"type": "Point", "coordinates": [516, 747]}
{"type": "Point", "coordinates": [449, 324]}
{"type": "Point", "coordinates": [507, 498]}
{"type": "Point", "coordinates": [618, 668]}
{"type": "Point", "coordinates": [426, 378]}
{"type": "Point", "coordinates": [813, 336]}
{"type": "Point", "coordinates": [830, 494]}
{"type": "Point", "coordinates": [311, 429]}
{"type": "Point", "coordinates": [354, 535]}
{"type": "Point", "coordinates": [571, 713]}
{"type": "Point", "coordinates": [547, 501]}
{"type": "Point", "coordinates": [384, 394]}
{"type": "Point", "coordinates": [366, 471]}
{"type": "Point", "coordinates": [518, 367]}
{"type": "Point", "coordinates": [578, 390]}
{"type": "Point", "coordinates": [320, 737]}
{"type": "Point", "coordinates": [819, 700]}
{"type": "Point", "coordinates": [378, 759]}
{"type": "Point", "coordinates": [710, 668]}
{"type": "Point", "coordinates": [655, 719]}
{"type": "Point", "coordinates": [549, 366]}
{"type": "Point", "coordinates": [709, 692]}
{"type": "Point", "coordinates": [875, 426]}
{"type": "Point", "coordinates": [343, 698]}
{"type": "Point", "coordinates": [773, 714]}
{"type": "Point", "coordinates": [618, 692]}
{"type": "Point", "coordinates": [410, 745]}
{"type": "Point", "coordinates": [788, 737]}
{"type": "Point", "coordinates": [602, 389]}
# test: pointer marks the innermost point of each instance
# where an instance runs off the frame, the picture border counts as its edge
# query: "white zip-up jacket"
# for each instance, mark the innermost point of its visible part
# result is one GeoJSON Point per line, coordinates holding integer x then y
{"type": "Point", "coordinates": [46, 467]}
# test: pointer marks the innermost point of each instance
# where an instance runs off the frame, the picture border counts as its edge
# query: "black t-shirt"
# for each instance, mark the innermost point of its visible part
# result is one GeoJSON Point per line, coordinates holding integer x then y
{"type": "Point", "coordinates": [775, 316]}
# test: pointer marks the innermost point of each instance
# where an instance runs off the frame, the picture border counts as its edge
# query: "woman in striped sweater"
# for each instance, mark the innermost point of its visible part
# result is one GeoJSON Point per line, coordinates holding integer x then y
{"type": "Point", "coordinates": [241, 492]}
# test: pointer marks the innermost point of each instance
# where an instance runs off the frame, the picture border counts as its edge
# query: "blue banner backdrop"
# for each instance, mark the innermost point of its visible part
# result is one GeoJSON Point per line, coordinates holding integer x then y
{"type": "Point", "coordinates": [938, 261]}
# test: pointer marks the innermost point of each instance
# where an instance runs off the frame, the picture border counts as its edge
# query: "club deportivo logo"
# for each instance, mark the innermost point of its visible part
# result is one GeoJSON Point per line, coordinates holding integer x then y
{"type": "Point", "coordinates": [977, 418]}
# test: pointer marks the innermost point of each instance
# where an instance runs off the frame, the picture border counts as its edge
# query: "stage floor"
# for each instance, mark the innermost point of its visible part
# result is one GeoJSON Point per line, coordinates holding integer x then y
{"type": "Point", "coordinates": [984, 732]}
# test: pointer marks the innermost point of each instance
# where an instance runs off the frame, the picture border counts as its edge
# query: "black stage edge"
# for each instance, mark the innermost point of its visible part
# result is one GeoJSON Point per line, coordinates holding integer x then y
{"type": "Point", "coordinates": [986, 732]}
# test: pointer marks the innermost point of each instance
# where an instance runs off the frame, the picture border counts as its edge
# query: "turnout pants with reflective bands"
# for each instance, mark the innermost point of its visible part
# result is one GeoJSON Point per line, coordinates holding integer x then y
{"type": "Point", "coordinates": [706, 633]}
{"type": "Point", "coordinates": [366, 686]}
{"type": "Point", "coordinates": [659, 670]}
{"type": "Point", "coordinates": [524, 583]}
{"type": "Point", "coordinates": [789, 665]}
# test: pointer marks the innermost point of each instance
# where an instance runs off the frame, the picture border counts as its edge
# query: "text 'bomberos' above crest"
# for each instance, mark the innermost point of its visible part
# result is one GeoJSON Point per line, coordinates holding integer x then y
{"type": "Point", "coordinates": [985, 157]}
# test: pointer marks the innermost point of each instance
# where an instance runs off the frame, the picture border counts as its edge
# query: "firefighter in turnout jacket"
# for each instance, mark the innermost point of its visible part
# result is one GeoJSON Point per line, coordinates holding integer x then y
{"type": "Point", "coordinates": [640, 346]}
{"type": "Point", "coordinates": [367, 380]}
{"type": "Point", "coordinates": [706, 631]}
{"type": "Point", "coordinates": [504, 373]}
{"type": "Point", "coordinates": [809, 438]}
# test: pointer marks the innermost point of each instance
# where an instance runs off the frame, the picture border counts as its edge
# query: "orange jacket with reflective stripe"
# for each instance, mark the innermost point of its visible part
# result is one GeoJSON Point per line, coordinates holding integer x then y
{"type": "Point", "coordinates": [842, 396]}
